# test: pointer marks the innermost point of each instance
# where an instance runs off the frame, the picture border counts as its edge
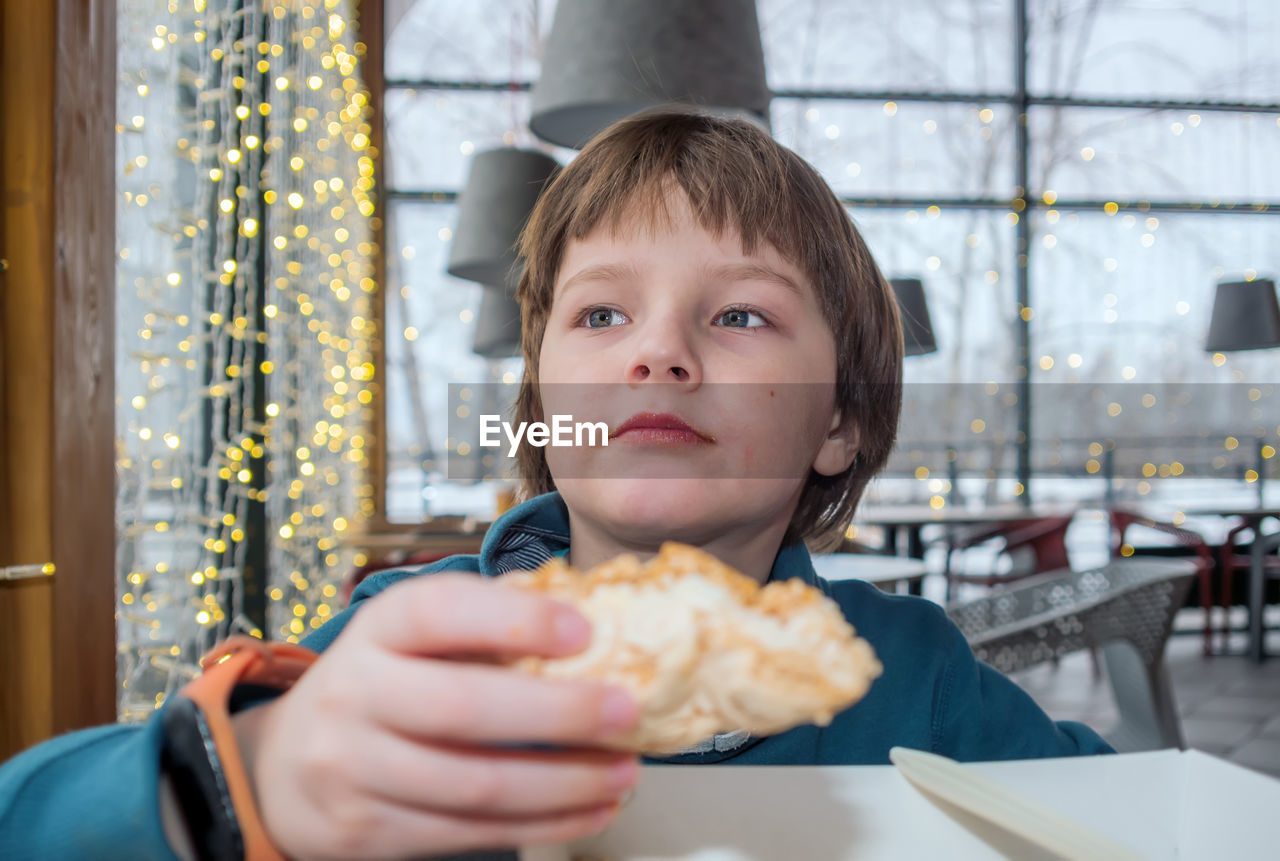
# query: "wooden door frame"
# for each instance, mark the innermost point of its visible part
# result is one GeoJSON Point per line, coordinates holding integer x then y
{"type": "Point", "coordinates": [84, 355]}
{"type": "Point", "coordinates": [57, 364]}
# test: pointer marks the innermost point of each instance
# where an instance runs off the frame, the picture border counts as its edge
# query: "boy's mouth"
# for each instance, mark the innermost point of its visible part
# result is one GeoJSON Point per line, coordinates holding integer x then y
{"type": "Point", "coordinates": [660, 429]}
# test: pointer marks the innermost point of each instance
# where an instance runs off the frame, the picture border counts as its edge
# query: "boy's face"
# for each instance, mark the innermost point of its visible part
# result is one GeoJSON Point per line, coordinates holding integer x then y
{"type": "Point", "coordinates": [649, 326]}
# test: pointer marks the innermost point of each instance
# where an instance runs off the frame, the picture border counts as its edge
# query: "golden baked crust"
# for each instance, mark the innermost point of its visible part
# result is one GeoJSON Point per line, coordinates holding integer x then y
{"type": "Point", "coordinates": [705, 649]}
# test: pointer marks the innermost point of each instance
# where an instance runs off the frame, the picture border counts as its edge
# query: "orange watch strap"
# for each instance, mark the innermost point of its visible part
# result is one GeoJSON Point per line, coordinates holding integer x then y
{"type": "Point", "coordinates": [236, 661]}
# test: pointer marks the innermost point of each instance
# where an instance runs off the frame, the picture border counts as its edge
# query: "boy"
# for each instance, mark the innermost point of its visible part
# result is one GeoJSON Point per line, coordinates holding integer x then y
{"type": "Point", "coordinates": [703, 285]}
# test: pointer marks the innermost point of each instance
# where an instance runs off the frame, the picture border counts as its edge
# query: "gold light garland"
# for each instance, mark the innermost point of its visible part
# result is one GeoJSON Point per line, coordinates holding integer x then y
{"type": "Point", "coordinates": [245, 279]}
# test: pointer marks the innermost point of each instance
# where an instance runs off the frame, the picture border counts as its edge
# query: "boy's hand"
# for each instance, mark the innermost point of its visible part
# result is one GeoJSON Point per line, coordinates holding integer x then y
{"type": "Point", "coordinates": [387, 748]}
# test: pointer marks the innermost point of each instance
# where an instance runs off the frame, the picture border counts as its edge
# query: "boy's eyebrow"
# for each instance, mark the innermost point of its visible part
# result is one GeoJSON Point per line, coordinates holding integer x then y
{"type": "Point", "coordinates": [754, 272]}
{"type": "Point", "coordinates": [723, 272]}
{"type": "Point", "coordinates": [600, 272]}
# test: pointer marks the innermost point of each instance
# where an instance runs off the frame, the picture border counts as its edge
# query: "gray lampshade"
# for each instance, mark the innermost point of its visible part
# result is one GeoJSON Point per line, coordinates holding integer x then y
{"type": "Point", "coordinates": [607, 60]}
{"type": "Point", "coordinates": [1246, 316]}
{"type": "Point", "coordinates": [497, 323]}
{"type": "Point", "coordinates": [494, 205]}
{"type": "Point", "coordinates": [917, 330]}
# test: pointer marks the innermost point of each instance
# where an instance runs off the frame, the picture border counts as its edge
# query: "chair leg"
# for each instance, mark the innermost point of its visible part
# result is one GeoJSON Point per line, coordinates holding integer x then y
{"type": "Point", "coordinates": [1206, 603]}
{"type": "Point", "coordinates": [1228, 598]}
{"type": "Point", "coordinates": [1144, 699]}
{"type": "Point", "coordinates": [1095, 662]}
{"type": "Point", "coordinates": [1227, 563]}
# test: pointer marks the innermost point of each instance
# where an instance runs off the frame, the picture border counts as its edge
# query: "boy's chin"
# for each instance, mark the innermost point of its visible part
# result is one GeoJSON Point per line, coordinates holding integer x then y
{"type": "Point", "coordinates": [650, 511]}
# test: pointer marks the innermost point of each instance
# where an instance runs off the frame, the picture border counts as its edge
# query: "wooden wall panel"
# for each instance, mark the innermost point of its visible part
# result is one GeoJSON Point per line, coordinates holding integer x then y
{"type": "Point", "coordinates": [26, 354]}
{"type": "Point", "coordinates": [26, 664]}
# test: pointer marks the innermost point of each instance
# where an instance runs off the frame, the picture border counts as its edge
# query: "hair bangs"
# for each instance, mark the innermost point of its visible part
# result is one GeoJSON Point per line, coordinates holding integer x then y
{"type": "Point", "coordinates": [730, 183]}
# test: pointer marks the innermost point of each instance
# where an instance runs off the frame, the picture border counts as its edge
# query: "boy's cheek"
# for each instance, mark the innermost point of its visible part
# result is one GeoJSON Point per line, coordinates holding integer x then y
{"type": "Point", "coordinates": [583, 401]}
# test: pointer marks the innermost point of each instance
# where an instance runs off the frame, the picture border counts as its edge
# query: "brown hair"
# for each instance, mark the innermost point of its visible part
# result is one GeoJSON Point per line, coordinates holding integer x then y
{"type": "Point", "coordinates": [734, 175]}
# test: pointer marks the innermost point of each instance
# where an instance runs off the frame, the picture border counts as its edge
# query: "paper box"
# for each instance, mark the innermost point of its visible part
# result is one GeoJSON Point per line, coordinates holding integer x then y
{"type": "Point", "coordinates": [1163, 804]}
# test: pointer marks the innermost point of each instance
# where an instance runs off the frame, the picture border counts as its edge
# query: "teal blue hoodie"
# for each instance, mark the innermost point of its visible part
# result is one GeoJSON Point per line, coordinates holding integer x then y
{"type": "Point", "coordinates": [93, 793]}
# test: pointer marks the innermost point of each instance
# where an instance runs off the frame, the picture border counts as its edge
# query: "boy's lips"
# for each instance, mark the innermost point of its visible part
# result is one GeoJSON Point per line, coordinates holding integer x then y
{"type": "Point", "coordinates": [659, 428]}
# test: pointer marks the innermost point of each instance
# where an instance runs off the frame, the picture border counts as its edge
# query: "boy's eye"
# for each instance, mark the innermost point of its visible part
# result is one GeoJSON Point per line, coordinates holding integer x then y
{"type": "Point", "coordinates": [740, 318]}
{"type": "Point", "coordinates": [600, 318]}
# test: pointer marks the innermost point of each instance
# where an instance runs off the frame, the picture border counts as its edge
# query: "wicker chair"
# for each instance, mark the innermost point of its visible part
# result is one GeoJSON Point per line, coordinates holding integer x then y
{"type": "Point", "coordinates": [1192, 542]}
{"type": "Point", "coordinates": [1124, 608]}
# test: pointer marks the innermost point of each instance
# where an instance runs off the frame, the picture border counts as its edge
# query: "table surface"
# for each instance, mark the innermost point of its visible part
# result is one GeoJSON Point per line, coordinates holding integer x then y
{"type": "Point", "coordinates": [871, 567]}
{"type": "Point", "coordinates": [1163, 805]}
{"type": "Point", "coordinates": [1230, 511]}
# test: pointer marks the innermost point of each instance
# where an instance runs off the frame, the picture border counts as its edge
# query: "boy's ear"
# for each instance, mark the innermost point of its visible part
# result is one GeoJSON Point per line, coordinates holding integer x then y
{"type": "Point", "coordinates": [839, 449]}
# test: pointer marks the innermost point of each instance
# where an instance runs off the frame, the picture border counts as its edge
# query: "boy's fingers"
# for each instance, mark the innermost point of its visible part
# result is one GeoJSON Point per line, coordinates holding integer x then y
{"type": "Point", "coordinates": [485, 705]}
{"type": "Point", "coordinates": [445, 614]}
{"type": "Point", "coordinates": [488, 782]}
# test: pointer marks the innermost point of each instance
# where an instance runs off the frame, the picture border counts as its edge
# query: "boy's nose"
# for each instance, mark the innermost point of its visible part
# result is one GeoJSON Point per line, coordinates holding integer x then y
{"type": "Point", "coordinates": [664, 357]}
{"type": "Point", "coordinates": [674, 374]}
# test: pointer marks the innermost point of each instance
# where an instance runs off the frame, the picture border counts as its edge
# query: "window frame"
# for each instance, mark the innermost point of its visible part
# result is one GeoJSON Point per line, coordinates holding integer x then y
{"type": "Point", "coordinates": [1025, 202]}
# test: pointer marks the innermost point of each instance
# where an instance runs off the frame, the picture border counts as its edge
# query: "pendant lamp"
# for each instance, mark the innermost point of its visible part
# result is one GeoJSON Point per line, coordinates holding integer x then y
{"type": "Point", "coordinates": [497, 323]}
{"type": "Point", "coordinates": [917, 330]}
{"type": "Point", "coordinates": [607, 59]}
{"type": "Point", "coordinates": [501, 188]}
{"type": "Point", "coordinates": [1246, 316]}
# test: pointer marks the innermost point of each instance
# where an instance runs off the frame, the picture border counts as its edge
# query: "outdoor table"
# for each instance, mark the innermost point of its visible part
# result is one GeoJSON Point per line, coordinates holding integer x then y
{"type": "Point", "coordinates": [912, 519]}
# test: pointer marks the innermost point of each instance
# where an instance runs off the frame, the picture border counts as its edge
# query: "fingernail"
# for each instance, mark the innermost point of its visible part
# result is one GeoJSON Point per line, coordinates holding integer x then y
{"type": "Point", "coordinates": [572, 630]}
{"type": "Point", "coordinates": [623, 776]}
{"type": "Point", "coordinates": [619, 711]}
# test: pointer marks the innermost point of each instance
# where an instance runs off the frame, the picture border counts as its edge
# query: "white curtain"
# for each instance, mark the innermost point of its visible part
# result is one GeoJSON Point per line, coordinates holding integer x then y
{"type": "Point", "coordinates": [244, 310]}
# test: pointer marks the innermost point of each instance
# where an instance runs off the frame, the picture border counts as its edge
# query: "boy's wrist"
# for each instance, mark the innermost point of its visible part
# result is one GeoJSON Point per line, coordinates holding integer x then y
{"type": "Point", "coordinates": [202, 756]}
{"type": "Point", "coordinates": [193, 766]}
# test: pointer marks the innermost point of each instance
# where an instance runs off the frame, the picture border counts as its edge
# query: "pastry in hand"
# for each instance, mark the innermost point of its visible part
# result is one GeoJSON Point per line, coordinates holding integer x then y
{"type": "Point", "coordinates": [705, 649]}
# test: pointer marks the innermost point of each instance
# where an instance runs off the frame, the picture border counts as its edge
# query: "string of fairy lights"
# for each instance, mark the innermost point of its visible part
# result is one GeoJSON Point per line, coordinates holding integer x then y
{"type": "Point", "coordinates": [244, 371]}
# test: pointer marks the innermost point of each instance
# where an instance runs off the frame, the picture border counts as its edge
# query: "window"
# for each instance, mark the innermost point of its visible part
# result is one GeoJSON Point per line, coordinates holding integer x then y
{"type": "Point", "coordinates": [1143, 178]}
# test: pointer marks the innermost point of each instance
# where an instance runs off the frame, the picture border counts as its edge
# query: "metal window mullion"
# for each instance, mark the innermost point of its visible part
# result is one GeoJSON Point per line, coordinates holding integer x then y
{"type": "Point", "coordinates": [1013, 99]}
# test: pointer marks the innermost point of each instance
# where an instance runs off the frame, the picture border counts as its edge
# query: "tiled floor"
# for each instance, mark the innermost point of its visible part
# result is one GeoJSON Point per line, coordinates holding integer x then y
{"type": "Point", "coordinates": [1230, 707]}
